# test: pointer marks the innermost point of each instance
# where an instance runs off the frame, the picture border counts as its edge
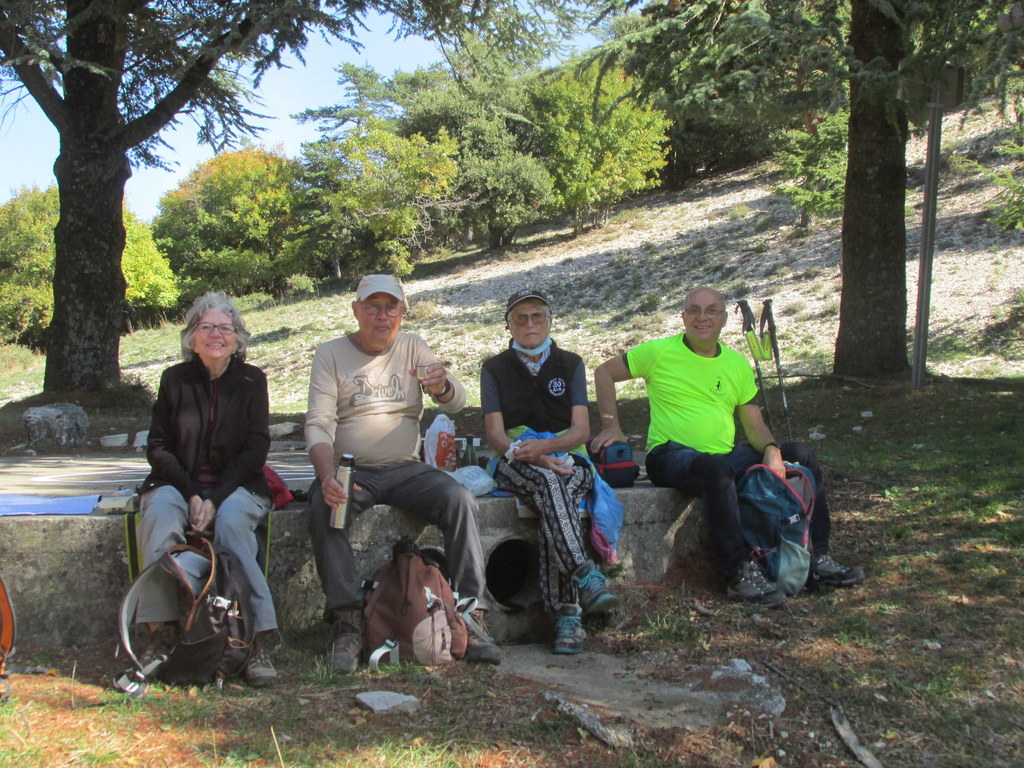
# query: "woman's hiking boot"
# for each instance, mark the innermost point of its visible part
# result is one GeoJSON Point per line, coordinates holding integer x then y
{"type": "Point", "coordinates": [160, 642]}
{"type": "Point", "coordinates": [750, 585]}
{"type": "Point", "coordinates": [594, 595]}
{"type": "Point", "coordinates": [345, 642]}
{"type": "Point", "coordinates": [259, 670]}
{"type": "Point", "coordinates": [481, 647]}
{"type": "Point", "coordinates": [569, 632]}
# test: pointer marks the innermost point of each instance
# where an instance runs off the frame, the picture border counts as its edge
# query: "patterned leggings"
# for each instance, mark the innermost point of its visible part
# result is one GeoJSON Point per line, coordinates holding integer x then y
{"type": "Point", "coordinates": [556, 499]}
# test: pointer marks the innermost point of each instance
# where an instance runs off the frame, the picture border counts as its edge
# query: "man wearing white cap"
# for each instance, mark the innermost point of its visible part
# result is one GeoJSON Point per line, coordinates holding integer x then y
{"type": "Point", "coordinates": [365, 399]}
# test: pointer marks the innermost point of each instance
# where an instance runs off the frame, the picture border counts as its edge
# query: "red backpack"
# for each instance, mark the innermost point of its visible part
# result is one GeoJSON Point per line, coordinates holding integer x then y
{"type": "Point", "coordinates": [6, 637]}
{"type": "Point", "coordinates": [410, 612]}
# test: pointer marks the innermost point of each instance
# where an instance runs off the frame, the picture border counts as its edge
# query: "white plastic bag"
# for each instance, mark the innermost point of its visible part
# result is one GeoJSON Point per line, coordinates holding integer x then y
{"type": "Point", "coordinates": [439, 443]}
{"type": "Point", "coordinates": [475, 479]}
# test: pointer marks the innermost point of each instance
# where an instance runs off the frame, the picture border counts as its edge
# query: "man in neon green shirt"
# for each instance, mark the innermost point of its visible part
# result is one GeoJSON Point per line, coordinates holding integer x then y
{"type": "Point", "coordinates": [696, 385]}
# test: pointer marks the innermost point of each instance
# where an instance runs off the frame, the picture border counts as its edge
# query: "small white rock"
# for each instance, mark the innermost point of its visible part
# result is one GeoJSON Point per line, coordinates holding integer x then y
{"type": "Point", "coordinates": [115, 441]}
{"type": "Point", "coordinates": [867, 415]}
{"type": "Point", "coordinates": [858, 429]}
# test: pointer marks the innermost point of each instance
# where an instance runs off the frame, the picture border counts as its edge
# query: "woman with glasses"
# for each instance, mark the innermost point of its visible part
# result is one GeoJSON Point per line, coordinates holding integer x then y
{"type": "Point", "coordinates": [207, 445]}
{"type": "Point", "coordinates": [533, 398]}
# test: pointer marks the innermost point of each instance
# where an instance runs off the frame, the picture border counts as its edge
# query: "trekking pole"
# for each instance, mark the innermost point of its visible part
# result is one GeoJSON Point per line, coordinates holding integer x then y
{"type": "Point", "coordinates": [758, 352]}
{"type": "Point", "coordinates": [768, 318]}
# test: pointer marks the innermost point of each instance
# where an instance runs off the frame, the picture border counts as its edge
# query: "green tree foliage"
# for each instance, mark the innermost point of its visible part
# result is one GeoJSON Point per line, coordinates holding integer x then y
{"type": "Point", "coordinates": [151, 288]}
{"type": "Point", "coordinates": [224, 227]}
{"type": "Point", "coordinates": [815, 165]}
{"type": "Point", "coordinates": [111, 76]}
{"type": "Point", "coordinates": [27, 258]}
{"type": "Point", "coordinates": [1009, 179]}
{"type": "Point", "coordinates": [365, 197]}
{"type": "Point", "coordinates": [499, 184]}
{"type": "Point", "coordinates": [26, 265]}
{"type": "Point", "coordinates": [598, 144]}
{"type": "Point", "coordinates": [732, 76]}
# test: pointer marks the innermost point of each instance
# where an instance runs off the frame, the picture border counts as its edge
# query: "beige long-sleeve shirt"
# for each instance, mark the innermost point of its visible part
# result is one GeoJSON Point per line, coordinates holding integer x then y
{"type": "Point", "coordinates": [369, 404]}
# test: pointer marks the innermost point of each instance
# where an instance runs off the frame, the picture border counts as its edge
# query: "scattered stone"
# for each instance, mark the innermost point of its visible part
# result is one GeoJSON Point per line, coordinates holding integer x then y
{"type": "Point", "coordinates": [612, 735]}
{"type": "Point", "coordinates": [867, 415]}
{"type": "Point", "coordinates": [61, 424]}
{"type": "Point", "coordinates": [115, 441]}
{"type": "Point", "coordinates": [141, 438]}
{"type": "Point", "coordinates": [858, 429]}
{"type": "Point", "coordinates": [386, 702]}
{"type": "Point", "coordinates": [284, 429]}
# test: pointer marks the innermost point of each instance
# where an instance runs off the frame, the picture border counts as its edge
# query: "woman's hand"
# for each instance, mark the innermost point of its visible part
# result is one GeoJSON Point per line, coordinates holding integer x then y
{"type": "Point", "coordinates": [200, 514]}
{"type": "Point", "coordinates": [531, 451]}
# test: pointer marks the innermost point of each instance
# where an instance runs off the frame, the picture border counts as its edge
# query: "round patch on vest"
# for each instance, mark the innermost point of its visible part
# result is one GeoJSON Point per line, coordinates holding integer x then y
{"type": "Point", "coordinates": [557, 387]}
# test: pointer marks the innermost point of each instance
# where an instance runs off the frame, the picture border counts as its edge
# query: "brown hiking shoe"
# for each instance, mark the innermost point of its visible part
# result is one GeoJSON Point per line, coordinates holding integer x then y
{"type": "Point", "coordinates": [481, 647]}
{"type": "Point", "coordinates": [259, 671]}
{"type": "Point", "coordinates": [346, 640]}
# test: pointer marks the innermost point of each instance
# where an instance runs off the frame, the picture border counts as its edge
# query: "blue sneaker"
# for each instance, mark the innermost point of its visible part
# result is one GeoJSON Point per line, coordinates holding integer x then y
{"type": "Point", "coordinates": [569, 632]}
{"type": "Point", "coordinates": [594, 596]}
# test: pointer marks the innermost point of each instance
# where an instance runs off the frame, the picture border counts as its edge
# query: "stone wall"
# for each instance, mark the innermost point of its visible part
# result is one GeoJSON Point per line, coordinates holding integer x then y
{"type": "Point", "coordinates": [66, 575]}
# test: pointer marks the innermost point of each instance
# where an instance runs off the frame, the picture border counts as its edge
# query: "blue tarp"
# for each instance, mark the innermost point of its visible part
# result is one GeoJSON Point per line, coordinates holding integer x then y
{"type": "Point", "coordinates": [23, 504]}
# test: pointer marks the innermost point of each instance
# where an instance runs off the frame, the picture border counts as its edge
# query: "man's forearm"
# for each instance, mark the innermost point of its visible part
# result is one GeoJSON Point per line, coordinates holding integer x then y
{"type": "Point", "coordinates": [607, 408]}
{"type": "Point", "coordinates": [321, 456]}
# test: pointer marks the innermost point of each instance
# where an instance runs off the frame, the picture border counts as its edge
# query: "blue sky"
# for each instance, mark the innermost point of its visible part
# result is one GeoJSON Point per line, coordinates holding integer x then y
{"type": "Point", "coordinates": [30, 143]}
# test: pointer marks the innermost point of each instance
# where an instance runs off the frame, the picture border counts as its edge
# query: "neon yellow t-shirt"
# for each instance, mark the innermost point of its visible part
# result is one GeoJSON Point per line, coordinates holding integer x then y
{"type": "Point", "coordinates": [693, 398]}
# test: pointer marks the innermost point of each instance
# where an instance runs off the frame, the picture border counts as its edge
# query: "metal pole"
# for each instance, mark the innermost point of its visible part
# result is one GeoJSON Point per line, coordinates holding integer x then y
{"type": "Point", "coordinates": [924, 279]}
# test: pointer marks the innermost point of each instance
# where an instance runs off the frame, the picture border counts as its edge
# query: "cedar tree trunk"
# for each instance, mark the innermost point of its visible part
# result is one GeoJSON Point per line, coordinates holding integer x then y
{"type": "Point", "coordinates": [872, 339]}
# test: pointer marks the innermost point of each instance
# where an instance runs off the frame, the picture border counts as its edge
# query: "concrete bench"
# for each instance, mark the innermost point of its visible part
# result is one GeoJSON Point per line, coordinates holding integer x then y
{"type": "Point", "coordinates": [67, 574]}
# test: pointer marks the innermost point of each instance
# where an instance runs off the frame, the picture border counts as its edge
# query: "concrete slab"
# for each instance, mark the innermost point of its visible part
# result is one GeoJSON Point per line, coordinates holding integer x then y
{"type": "Point", "coordinates": [106, 473]}
{"type": "Point", "coordinates": [637, 688]}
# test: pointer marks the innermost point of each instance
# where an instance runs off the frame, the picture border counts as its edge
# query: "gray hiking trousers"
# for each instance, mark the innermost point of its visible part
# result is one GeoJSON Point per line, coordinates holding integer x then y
{"type": "Point", "coordinates": [163, 523]}
{"type": "Point", "coordinates": [414, 487]}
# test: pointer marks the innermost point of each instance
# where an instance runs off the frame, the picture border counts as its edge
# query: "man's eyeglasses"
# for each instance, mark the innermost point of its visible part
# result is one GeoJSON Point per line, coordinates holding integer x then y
{"type": "Point", "coordinates": [711, 313]}
{"type": "Point", "coordinates": [536, 318]}
{"type": "Point", "coordinates": [207, 328]}
{"type": "Point", "coordinates": [391, 310]}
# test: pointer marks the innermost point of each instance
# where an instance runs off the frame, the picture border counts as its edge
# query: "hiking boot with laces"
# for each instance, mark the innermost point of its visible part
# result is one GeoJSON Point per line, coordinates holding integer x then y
{"type": "Point", "coordinates": [751, 586]}
{"type": "Point", "coordinates": [481, 647]}
{"type": "Point", "coordinates": [161, 642]}
{"type": "Point", "coordinates": [594, 596]}
{"type": "Point", "coordinates": [569, 632]}
{"type": "Point", "coordinates": [826, 572]}
{"type": "Point", "coordinates": [346, 640]}
{"type": "Point", "coordinates": [259, 671]}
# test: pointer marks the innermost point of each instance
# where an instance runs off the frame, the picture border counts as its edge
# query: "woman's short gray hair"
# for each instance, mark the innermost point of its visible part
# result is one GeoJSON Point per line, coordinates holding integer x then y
{"type": "Point", "coordinates": [210, 301]}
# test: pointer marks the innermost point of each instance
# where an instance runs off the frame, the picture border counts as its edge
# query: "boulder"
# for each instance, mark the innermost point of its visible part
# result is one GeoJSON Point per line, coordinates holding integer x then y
{"type": "Point", "coordinates": [61, 424]}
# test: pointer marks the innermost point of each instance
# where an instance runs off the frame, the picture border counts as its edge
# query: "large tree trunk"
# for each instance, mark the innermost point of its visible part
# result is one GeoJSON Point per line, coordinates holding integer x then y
{"type": "Point", "coordinates": [88, 286]}
{"type": "Point", "coordinates": [872, 339]}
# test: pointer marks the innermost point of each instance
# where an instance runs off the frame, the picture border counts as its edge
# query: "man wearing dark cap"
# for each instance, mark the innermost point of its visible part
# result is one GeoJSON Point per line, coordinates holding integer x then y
{"type": "Point", "coordinates": [365, 399]}
{"type": "Point", "coordinates": [533, 398]}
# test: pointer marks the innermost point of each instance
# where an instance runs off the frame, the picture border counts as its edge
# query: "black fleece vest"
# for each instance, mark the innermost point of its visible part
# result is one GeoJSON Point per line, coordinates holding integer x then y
{"type": "Point", "coordinates": [539, 402]}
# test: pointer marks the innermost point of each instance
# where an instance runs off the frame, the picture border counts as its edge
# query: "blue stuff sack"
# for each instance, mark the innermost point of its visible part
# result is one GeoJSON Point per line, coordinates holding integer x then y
{"type": "Point", "coordinates": [775, 521]}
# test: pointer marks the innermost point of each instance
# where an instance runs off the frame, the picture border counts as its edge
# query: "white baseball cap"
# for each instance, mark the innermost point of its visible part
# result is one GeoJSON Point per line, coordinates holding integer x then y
{"type": "Point", "coordinates": [372, 284]}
